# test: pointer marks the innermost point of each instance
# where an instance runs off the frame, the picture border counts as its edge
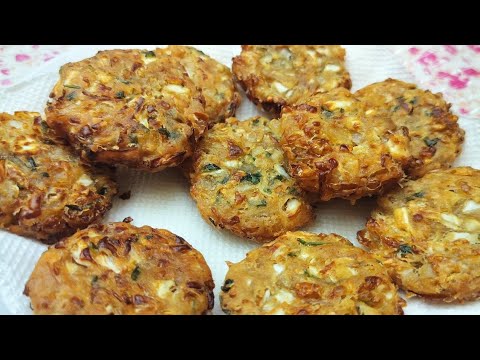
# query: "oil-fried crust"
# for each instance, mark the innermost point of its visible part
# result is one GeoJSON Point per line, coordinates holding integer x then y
{"type": "Point", "coordinates": [302, 273]}
{"type": "Point", "coordinates": [435, 137]}
{"type": "Point", "coordinates": [335, 151]}
{"type": "Point", "coordinates": [277, 75]}
{"type": "Point", "coordinates": [428, 235]}
{"type": "Point", "coordinates": [215, 79]}
{"type": "Point", "coordinates": [131, 107]}
{"type": "Point", "coordinates": [45, 191]}
{"type": "Point", "coordinates": [239, 181]}
{"type": "Point", "coordinates": [121, 269]}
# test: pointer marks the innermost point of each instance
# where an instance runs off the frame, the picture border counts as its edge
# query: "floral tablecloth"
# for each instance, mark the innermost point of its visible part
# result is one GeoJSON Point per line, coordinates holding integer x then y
{"type": "Point", "coordinates": [453, 70]}
{"type": "Point", "coordinates": [19, 61]}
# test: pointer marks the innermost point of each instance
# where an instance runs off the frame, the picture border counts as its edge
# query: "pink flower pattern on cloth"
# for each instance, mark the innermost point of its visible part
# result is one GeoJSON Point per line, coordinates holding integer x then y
{"type": "Point", "coordinates": [18, 60]}
{"type": "Point", "coordinates": [453, 70]}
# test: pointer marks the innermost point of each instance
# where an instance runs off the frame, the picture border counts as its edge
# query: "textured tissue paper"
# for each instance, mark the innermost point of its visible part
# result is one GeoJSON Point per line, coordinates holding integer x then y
{"type": "Point", "coordinates": [162, 200]}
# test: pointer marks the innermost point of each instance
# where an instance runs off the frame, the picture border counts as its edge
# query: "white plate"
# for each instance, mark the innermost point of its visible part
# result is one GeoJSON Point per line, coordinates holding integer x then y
{"type": "Point", "coordinates": [162, 200]}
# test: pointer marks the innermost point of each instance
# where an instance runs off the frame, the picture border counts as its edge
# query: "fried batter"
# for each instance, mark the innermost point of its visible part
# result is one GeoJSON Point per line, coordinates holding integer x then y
{"type": "Point", "coordinates": [302, 273]}
{"type": "Point", "coordinates": [428, 235]}
{"type": "Point", "coordinates": [435, 137]}
{"type": "Point", "coordinates": [239, 181]}
{"type": "Point", "coordinates": [215, 79]}
{"type": "Point", "coordinates": [45, 191]}
{"type": "Point", "coordinates": [277, 75]}
{"type": "Point", "coordinates": [131, 107]}
{"type": "Point", "coordinates": [121, 269]}
{"type": "Point", "coordinates": [335, 151]}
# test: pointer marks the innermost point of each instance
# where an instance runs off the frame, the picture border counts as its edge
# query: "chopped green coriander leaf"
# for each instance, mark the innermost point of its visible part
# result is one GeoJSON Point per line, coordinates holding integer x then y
{"type": "Point", "coordinates": [120, 95]}
{"type": "Point", "coordinates": [135, 273]}
{"type": "Point", "coordinates": [431, 142]}
{"type": "Point", "coordinates": [262, 203]}
{"type": "Point", "coordinates": [164, 132]}
{"type": "Point", "coordinates": [71, 96]}
{"type": "Point", "coordinates": [310, 243]}
{"type": "Point", "coordinates": [227, 285]}
{"type": "Point", "coordinates": [404, 250]}
{"type": "Point", "coordinates": [419, 194]}
{"type": "Point", "coordinates": [150, 54]}
{"type": "Point", "coordinates": [210, 167]}
{"type": "Point", "coordinates": [32, 165]}
{"type": "Point", "coordinates": [328, 114]}
{"type": "Point", "coordinates": [253, 178]}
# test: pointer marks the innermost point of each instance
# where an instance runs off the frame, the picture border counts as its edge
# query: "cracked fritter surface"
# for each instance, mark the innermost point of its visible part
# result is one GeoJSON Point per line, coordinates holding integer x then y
{"type": "Point", "coordinates": [277, 75]}
{"type": "Point", "coordinates": [46, 192]}
{"type": "Point", "coordinates": [302, 273]}
{"type": "Point", "coordinates": [215, 79]}
{"type": "Point", "coordinates": [121, 269]}
{"type": "Point", "coordinates": [428, 234]}
{"type": "Point", "coordinates": [131, 107]}
{"type": "Point", "coordinates": [435, 137]}
{"type": "Point", "coordinates": [335, 150]}
{"type": "Point", "coordinates": [239, 181]}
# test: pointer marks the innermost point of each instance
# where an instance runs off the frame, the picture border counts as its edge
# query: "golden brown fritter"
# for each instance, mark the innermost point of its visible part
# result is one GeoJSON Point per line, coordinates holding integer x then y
{"type": "Point", "coordinates": [302, 273]}
{"type": "Point", "coordinates": [239, 181]}
{"type": "Point", "coordinates": [435, 137]}
{"type": "Point", "coordinates": [131, 107]}
{"type": "Point", "coordinates": [215, 79]}
{"type": "Point", "coordinates": [428, 235]}
{"type": "Point", "coordinates": [335, 151]}
{"type": "Point", "coordinates": [277, 75]}
{"type": "Point", "coordinates": [45, 191]}
{"type": "Point", "coordinates": [121, 269]}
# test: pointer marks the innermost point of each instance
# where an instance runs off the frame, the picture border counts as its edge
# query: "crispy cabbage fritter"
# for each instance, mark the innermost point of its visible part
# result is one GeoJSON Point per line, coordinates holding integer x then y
{"type": "Point", "coordinates": [427, 234]}
{"type": "Point", "coordinates": [131, 107]}
{"type": "Point", "coordinates": [121, 269]}
{"type": "Point", "coordinates": [335, 151]}
{"type": "Point", "coordinates": [45, 190]}
{"type": "Point", "coordinates": [277, 75]}
{"type": "Point", "coordinates": [215, 79]}
{"type": "Point", "coordinates": [239, 181]}
{"type": "Point", "coordinates": [435, 137]}
{"type": "Point", "coordinates": [302, 273]}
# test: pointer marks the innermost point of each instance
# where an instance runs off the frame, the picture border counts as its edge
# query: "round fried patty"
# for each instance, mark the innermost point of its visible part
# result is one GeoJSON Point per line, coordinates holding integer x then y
{"type": "Point", "coordinates": [215, 79]}
{"type": "Point", "coordinates": [302, 273]}
{"type": "Point", "coordinates": [45, 190]}
{"type": "Point", "coordinates": [335, 151]}
{"type": "Point", "coordinates": [239, 181]}
{"type": "Point", "coordinates": [131, 107]}
{"type": "Point", "coordinates": [435, 137]}
{"type": "Point", "coordinates": [121, 269]}
{"type": "Point", "coordinates": [428, 234]}
{"type": "Point", "coordinates": [277, 75]}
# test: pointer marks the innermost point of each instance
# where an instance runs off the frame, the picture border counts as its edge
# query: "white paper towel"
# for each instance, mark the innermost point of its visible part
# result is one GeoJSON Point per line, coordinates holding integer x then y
{"type": "Point", "coordinates": [162, 200]}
